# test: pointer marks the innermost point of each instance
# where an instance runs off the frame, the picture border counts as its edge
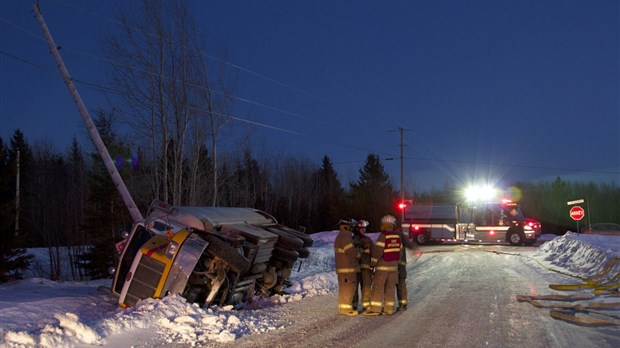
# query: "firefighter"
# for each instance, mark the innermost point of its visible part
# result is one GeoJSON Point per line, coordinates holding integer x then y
{"type": "Point", "coordinates": [364, 245]}
{"type": "Point", "coordinates": [401, 287]}
{"type": "Point", "coordinates": [384, 257]}
{"type": "Point", "coordinates": [347, 266]}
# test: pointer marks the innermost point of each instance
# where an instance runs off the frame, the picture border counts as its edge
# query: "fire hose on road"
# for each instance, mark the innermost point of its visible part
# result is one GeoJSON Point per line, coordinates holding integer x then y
{"type": "Point", "coordinates": [589, 314]}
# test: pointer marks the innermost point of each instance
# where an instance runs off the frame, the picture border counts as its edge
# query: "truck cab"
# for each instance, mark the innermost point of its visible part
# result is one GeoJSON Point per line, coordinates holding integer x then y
{"type": "Point", "coordinates": [496, 222]}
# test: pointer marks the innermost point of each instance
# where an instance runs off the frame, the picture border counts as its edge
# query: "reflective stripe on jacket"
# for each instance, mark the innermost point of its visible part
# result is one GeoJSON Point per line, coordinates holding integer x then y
{"type": "Point", "coordinates": [346, 255]}
{"type": "Point", "coordinates": [387, 249]}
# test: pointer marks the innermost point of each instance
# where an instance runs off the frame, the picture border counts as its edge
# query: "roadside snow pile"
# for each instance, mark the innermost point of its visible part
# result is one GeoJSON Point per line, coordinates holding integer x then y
{"type": "Point", "coordinates": [583, 255]}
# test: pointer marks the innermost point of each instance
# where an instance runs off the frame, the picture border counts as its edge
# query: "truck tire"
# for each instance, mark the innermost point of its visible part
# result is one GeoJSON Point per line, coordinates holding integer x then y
{"type": "Point", "coordinates": [515, 237]}
{"type": "Point", "coordinates": [308, 241]}
{"type": "Point", "coordinates": [303, 253]}
{"type": "Point", "coordinates": [289, 242]}
{"type": "Point", "coordinates": [225, 251]}
{"type": "Point", "coordinates": [421, 238]}
{"type": "Point", "coordinates": [285, 255]}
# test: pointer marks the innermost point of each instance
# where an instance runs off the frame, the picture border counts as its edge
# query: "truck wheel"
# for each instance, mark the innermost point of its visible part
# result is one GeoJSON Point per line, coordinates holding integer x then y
{"type": "Point", "coordinates": [421, 238]}
{"type": "Point", "coordinates": [308, 241]}
{"type": "Point", "coordinates": [288, 241]}
{"type": "Point", "coordinates": [303, 253]}
{"type": "Point", "coordinates": [219, 248]}
{"type": "Point", "coordinates": [515, 238]}
{"type": "Point", "coordinates": [285, 255]}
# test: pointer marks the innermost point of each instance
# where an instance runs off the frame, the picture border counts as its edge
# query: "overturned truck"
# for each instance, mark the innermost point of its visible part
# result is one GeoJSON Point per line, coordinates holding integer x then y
{"type": "Point", "coordinates": [209, 255]}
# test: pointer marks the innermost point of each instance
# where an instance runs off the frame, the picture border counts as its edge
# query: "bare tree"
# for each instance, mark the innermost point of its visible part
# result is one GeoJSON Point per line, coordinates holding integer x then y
{"type": "Point", "coordinates": [160, 72]}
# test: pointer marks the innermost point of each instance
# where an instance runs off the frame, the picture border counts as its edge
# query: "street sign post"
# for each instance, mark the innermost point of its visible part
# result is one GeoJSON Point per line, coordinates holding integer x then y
{"type": "Point", "coordinates": [577, 213]}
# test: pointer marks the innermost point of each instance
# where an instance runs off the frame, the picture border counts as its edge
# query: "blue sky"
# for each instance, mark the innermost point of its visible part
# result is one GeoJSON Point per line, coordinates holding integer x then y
{"type": "Point", "coordinates": [484, 89]}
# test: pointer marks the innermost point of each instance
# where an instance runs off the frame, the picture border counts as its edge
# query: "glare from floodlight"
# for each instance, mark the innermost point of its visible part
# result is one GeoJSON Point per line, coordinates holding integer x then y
{"type": "Point", "coordinates": [480, 193]}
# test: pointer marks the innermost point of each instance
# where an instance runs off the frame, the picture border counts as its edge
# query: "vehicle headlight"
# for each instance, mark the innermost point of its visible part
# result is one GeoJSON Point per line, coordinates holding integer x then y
{"type": "Point", "coordinates": [172, 249]}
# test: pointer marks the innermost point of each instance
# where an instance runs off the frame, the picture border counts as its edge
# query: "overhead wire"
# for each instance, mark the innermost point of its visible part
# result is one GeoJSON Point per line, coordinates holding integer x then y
{"type": "Point", "coordinates": [284, 130]}
{"type": "Point", "coordinates": [245, 100]}
{"type": "Point", "coordinates": [240, 68]}
{"type": "Point", "coordinates": [241, 99]}
{"type": "Point", "coordinates": [236, 118]}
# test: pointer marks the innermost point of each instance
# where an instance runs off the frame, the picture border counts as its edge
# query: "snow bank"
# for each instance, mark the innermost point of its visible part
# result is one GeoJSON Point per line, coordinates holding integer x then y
{"type": "Point", "coordinates": [582, 255]}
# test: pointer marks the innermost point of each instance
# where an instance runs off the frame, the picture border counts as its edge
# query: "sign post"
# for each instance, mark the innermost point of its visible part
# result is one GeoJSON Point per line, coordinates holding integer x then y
{"type": "Point", "coordinates": [576, 213]}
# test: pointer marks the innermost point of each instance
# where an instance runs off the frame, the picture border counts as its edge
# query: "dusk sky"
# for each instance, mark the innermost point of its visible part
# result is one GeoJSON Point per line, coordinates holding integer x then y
{"type": "Point", "coordinates": [496, 90]}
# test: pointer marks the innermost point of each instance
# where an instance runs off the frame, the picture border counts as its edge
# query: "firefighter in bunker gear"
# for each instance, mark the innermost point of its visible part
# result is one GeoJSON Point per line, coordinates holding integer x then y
{"type": "Point", "coordinates": [364, 245]}
{"type": "Point", "coordinates": [347, 266]}
{"type": "Point", "coordinates": [401, 287]}
{"type": "Point", "coordinates": [384, 258]}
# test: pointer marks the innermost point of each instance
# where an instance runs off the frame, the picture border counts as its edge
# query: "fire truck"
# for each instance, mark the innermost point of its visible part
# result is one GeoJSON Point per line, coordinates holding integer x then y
{"type": "Point", "coordinates": [501, 222]}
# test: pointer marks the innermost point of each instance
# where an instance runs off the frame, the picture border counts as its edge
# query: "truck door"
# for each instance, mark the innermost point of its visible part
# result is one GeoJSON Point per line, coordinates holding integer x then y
{"type": "Point", "coordinates": [490, 223]}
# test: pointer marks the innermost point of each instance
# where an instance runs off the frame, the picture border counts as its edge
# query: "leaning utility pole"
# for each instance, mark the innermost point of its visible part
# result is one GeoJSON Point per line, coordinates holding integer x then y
{"type": "Point", "coordinates": [92, 130]}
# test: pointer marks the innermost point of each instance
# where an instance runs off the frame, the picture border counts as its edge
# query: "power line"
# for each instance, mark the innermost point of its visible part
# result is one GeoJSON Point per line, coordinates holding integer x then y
{"type": "Point", "coordinates": [289, 131]}
{"type": "Point", "coordinates": [236, 66]}
{"type": "Point", "coordinates": [25, 61]}
{"type": "Point", "coordinates": [236, 118]}
{"type": "Point", "coordinates": [241, 99]}
{"type": "Point", "coordinates": [509, 165]}
{"type": "Point", "coordinates": [221, 60]}
{"type": "Point", "coordinates": [245, 100]}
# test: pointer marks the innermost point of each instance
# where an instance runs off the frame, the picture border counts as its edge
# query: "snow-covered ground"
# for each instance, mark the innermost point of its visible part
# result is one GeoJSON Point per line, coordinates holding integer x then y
{"type": "Point", "coordinates": [39, 312]}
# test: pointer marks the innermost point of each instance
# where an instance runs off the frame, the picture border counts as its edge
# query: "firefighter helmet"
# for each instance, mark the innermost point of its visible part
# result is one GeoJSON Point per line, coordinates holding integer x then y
{"type": "Point", "coordinates": [388, 223]}
{"type": "Point", "coordinates": [360, 226]}
{"type": "Point", "coordinates": [347, 224]}
{"type": "Point", "coordinates": [388, 219]}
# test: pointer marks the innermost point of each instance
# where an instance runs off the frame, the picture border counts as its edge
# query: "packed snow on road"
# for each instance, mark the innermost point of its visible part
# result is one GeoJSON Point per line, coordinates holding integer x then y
{"type": "Point", "coordinates": [39, 312]}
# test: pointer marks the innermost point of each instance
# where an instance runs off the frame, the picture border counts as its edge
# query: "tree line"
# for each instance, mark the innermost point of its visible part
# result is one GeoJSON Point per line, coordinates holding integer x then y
{"type": "Point", "coordinates": [68, 200]}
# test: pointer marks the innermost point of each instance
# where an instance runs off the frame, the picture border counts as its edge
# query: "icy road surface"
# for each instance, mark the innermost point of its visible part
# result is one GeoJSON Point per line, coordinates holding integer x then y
{"type": "Point", "coordinates": [459, 295]}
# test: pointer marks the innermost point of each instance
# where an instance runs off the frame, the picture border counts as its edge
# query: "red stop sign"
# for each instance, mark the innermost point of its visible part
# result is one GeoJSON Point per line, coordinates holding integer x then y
{"type": "Point", "coordinates": [577, 213]}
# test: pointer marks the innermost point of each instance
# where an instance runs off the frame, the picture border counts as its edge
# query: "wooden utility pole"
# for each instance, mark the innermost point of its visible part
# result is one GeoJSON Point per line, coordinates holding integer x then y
{"type": "Point", "coordinates": [92, 130]}
{"type": "Point", "coordinates": [402, 172]}
{"type": "Point", "coordinates": [17, 208]}
{"type": "Point", "coordinates": [402, 167]}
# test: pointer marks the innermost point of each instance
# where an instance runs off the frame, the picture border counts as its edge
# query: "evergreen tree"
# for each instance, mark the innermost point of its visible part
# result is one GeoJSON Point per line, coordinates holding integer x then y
{"type": "Point", "coordinates": [106, 215]}
{"type": "Point", "coordinates": [13, 260]}
{"type": "Point", "coordinates": [373, 195]}
{"type": "Point", "coordinates": [331, 197]}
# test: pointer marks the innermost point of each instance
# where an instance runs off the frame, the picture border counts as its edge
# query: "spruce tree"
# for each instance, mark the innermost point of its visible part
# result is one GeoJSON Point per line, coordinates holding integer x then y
{"type": "Point", "coordinates": [331, 197]}
{"type": "Point", "coordinates": [106, 215]}
{"type": "Point", "coordinates": [373, 195]}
